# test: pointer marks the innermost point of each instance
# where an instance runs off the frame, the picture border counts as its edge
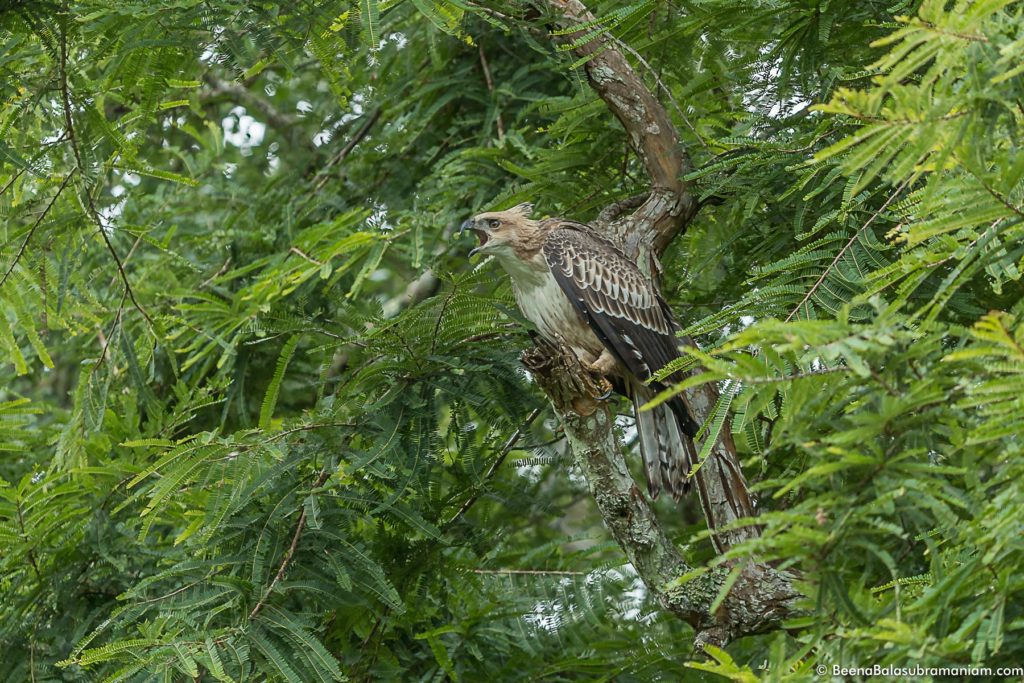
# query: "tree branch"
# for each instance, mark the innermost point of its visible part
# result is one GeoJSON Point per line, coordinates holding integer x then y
{"type": "Point", "coordinates": [357, 137]}
{"type": "Point", "coordinates": [502, 454]}
{"type": "Point", "coordinates": [490, 88]}
{"type": "Point", "coordinates": [760, 597]}
{"type": "Point", "coordinates": [219, 88]}
{"type": "Point", "coordinates": [650, 130]}
{"type": "Point", "coordinates": [290, 553]}
{"type": "Point", "coordinates": [32, 230]}
{"type": "Point", "coordinates": [69, 133]}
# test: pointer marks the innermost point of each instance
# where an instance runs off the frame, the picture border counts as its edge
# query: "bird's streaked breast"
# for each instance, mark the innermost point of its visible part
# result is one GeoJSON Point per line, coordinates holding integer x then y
{"type": "Point", "coordinates": [543, 303]}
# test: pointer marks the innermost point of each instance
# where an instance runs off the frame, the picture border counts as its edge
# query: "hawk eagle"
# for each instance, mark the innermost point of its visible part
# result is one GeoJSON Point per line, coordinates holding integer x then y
{"type": "Point", "coordinates": [579, 289]}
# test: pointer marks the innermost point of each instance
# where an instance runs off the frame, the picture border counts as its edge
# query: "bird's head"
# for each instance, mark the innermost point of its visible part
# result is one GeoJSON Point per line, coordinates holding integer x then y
{"type": "Point", "coordinates": [498, 231]}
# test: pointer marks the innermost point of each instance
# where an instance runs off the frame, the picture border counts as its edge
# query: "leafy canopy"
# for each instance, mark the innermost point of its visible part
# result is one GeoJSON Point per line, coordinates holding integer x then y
{"type": "Point", "coordinates": [262, 420]}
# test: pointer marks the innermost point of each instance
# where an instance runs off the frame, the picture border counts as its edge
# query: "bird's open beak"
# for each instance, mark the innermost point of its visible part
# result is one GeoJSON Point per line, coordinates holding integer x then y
{"type": "Point", "coordinates": [480, 234]}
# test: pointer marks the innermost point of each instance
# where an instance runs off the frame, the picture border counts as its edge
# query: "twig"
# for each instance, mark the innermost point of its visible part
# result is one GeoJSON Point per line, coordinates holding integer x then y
{"type": "Point", "coordinates": [494, 14]}
{"type": "Point", "coordinates": [176, 591]}
{"type": "Point", "coordinates": [991, 190]}
{"type": "Point", "coordinates": [105, 339]}
{"type": "Point", "coordinates": [31, 162]}
{"type": "Point", "coordinates": [490, 89]}
{"type": "Point", "coordinates": [349, 146]}
{"type": "Point", "coordinates": [505, 450]}
{"type": "Point", "coordinates": [505, 331]}
{"type": "Point", "coordinates": [440, 317]}
{"type": "Point", "coordinates": [309, 258]}
{"type": "Point", "coordinates": [846, 246]}
{"type": "Point", "coordinates": [530, 572]}
{"type": "Point", "coordinates": [128, 256]}
{"type": "Point", "coordinates": [290, 553]}
{"type": "Point", "coordinates": [24, 532]}
{"type": "Point", "coordinates": [220, 271]}
{"type": "Point", "coordinates": [310, 428]}
{"type": "Point", "coordinates": [69, 124]}
{"type": "Point", "coordinates": [885, 385]}
{"type": "Point", "coordinates": [32, 230]}
{"type": "Point", "coordinates": [970, 245]}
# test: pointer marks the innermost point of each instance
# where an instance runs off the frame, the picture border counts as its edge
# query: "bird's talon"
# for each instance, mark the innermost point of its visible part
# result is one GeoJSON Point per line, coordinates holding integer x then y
{"type": "Point", "coordinates": [604, 384]}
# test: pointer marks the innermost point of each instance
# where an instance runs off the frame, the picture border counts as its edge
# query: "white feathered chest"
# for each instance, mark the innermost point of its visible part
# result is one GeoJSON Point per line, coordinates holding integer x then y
{"type": "Point", "coordinates": [543, 303]}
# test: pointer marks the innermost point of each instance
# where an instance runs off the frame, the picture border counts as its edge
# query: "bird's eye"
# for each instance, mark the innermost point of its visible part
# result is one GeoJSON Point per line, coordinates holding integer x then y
{"type": "Point", "coordinates": [494, 222]}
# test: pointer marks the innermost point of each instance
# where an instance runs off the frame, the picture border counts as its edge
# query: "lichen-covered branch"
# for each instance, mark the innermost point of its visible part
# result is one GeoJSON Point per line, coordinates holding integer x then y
{"type": "Point", "coordinates": [760, 597]}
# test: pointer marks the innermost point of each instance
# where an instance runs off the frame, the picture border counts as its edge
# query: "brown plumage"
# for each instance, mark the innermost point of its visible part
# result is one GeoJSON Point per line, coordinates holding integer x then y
{"type": "Point", "coordinates": [579, 289]}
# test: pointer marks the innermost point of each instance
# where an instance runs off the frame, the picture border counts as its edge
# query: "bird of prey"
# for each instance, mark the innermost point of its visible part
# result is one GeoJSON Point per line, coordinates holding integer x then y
{"type": "Point", "coordinates": [580, 290]}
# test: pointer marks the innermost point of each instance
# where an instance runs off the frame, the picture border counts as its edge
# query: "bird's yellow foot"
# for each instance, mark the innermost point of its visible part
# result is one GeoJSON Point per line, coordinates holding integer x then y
{"type": "Point", "coordinates": [600, 369]}
{"type": "Point", "coordinates": [604, 365]}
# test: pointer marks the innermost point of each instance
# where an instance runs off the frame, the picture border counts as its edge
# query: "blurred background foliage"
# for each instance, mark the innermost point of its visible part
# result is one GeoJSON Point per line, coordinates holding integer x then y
{"type": "Point", "coordinates": [260, 419]}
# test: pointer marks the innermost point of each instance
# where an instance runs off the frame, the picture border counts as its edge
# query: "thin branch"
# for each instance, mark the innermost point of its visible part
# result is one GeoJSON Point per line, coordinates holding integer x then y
{"type": "Point", "coordinates": [220, 271]}
{"type": "Point", "coordinates": [70, 131]}
{"type": "Point", "coordinates": [483, 336]}
{"type": "Point", "coordinates": [310, 428]}
{"type": "Point", "coordinates": [991, 190]}
{"type": "Point", "coordinates": [105, 339]}
{"type": "Point", "coordinates": [440, 317]}
{"type": "Point", "coordinates": [530, 572]}
{"type": "Point", "coordinates": [128, 256]}
{"type": "Point", "coordinates": [176, 591]}
{"type": "Point", "coordinates": [490, 89]}
{"type": "Point", "coordinates": [290, 553]}
{"type": "Point", "coordinates": [846, 246]}
{"type": "Point", "coordinates": [363, 131]}
{"type": "Point", "coordinates": [494, 14]}
{"type": "Point", "coordinates": [24, 533]}
{"type": "Point", "coordinates": [32, 230]}
{"type": "Point", "coordinates": [505, 450]}
{"type": "Point", "coordinates": [31, 162]}
{"type": "Point", "coordinates": [306, 256]}
{"type": "Point", "coordinates": [220, 88]}
{"type": "Point", "coordinates": [967, 248]}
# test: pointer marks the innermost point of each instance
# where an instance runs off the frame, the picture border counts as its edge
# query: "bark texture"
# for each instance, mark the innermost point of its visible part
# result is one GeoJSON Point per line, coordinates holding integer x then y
{"type": "Point", "coordinates": [761, 597]}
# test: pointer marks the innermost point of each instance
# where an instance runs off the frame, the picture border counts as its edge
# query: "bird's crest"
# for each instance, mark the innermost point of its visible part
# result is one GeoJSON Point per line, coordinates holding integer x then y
{"type": "Point", "coordinates": [525, 209]}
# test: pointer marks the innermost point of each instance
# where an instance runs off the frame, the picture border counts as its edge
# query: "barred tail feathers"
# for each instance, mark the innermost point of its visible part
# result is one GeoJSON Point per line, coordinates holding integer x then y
{"type": "Point", "coordinates": [668, 451]}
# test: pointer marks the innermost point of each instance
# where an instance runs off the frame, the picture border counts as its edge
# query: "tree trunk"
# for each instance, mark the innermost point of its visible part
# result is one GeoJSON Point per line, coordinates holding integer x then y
{"type": "Point", "coordinates": [760, 597]}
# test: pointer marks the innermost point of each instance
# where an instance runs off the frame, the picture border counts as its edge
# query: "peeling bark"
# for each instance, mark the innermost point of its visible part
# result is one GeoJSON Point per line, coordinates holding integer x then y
{"type": "Point", "coordinates": [651, 133]}
{"type": "Point", "coordinates": [761, 597]}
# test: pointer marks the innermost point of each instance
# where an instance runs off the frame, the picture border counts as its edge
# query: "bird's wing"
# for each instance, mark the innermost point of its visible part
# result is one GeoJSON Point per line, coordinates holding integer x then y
{"type": "Point", "coordinates": [618, 302]}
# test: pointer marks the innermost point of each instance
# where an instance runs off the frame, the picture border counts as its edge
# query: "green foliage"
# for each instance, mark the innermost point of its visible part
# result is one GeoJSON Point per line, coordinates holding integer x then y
{"type": "Point", "coordinates": [253, 394]}
{"type": "Point", "coordinates": [876, 379]}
